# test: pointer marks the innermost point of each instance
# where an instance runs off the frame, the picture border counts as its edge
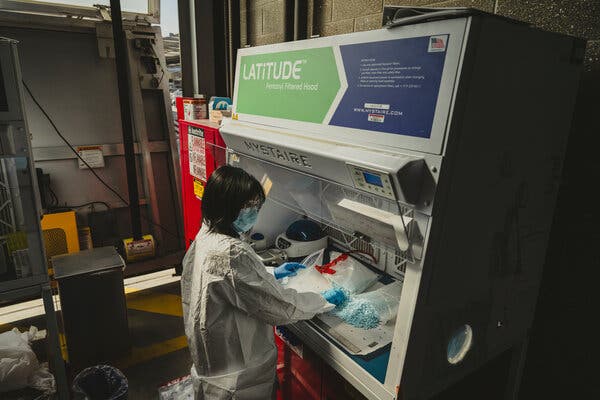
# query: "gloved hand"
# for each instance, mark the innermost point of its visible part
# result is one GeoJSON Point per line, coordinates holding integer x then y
{"type": "Point", "coordinates": [335, 296]}
{"type": "Point", "coordinates": [287, 269]}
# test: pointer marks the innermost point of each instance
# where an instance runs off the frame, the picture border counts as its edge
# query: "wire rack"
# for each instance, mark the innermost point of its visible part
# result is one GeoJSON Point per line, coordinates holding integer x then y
{"type": "Point", "coordinates": [7, 215]}
{"type": "Point", "coordinates": [352, 240]}
{"type": "Point", "coordinates": [384, 254]}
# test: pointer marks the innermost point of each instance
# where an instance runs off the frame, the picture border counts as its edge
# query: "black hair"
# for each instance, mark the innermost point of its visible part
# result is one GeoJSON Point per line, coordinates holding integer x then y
{"type": "Point", "coordinates": [228, 190]}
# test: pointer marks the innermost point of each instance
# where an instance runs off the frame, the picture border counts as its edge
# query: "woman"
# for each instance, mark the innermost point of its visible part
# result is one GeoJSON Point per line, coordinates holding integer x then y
{"type": "Point", "coordinates": [231, 302]}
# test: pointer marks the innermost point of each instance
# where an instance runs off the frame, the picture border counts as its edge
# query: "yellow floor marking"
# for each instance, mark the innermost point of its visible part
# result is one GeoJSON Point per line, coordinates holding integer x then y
{"type": "Point", "coordinates": [129, 290]}
{"type": "Point", "coordinates": [160, 303]}
{"type": "Point", "coordinates": [143, 354]}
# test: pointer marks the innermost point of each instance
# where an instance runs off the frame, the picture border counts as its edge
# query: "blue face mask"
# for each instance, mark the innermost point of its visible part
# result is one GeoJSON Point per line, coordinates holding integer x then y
{"type": "Point", "coordinates": [245, 220]}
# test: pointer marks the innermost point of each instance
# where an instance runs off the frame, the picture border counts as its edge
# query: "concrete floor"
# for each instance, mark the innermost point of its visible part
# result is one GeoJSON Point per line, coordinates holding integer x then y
{"type": "Point", "coordinates": [159, 348]}
{"type": "Point", "coordinates": [160, 352]}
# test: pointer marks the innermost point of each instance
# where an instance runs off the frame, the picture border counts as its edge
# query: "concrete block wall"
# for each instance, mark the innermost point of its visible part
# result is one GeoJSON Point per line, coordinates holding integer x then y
{"type": "Point", "coordinates": [263, 20]}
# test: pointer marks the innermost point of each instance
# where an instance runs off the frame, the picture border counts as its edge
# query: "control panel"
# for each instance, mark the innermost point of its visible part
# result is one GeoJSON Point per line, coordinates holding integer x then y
{"type": "Point", "coordinates": [372, 181]}
{"type": "Point", "coordinates": [282, 243]}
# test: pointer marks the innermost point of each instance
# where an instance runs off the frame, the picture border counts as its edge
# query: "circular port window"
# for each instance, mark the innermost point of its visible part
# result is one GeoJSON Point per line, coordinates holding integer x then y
{"type": "Point", "coordinates": [459, 344]}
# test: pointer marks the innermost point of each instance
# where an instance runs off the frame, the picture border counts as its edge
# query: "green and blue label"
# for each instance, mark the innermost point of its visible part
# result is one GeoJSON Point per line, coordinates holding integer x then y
{"type": "Point", "coordinates": [297, 85]}
{"type": "Point", "coordinates": [387, 86]}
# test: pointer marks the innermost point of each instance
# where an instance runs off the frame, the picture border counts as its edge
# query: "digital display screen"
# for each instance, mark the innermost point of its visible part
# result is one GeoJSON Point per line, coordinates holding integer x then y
{"type": "Point", "coordinates": [373, 179]}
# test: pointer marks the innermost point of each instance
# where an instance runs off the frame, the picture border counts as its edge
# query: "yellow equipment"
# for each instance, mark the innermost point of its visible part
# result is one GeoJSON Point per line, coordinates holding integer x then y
{"type": "Point", "coordinates": [137, 250]}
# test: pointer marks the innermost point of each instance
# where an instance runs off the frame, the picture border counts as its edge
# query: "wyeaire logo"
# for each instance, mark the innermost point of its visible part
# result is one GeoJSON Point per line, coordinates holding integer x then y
{"type": "Point", "coordinates": [278, 154]}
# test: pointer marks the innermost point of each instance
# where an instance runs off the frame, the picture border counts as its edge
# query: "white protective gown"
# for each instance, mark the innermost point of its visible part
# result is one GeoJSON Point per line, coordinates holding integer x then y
{"type": "Point", "coordinates": [230, 304]}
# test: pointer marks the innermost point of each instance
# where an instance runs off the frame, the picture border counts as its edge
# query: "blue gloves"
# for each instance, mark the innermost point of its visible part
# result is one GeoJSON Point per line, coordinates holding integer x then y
{"type": "Point", "coordinates": [287, 269]}
{"type": "Point", "coordinates": [335, 296]}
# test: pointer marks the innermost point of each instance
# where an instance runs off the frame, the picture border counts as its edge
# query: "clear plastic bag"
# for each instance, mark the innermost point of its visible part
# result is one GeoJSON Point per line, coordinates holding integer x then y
{"type": "Point", "coordinates": [308, 279]}
{"type": "Point", "coordinates": [43, 380]}
{"type": "Point", "coordinates": [19, 366]}
{"type": "Point", "coordinates": [179, 389]}
{"type": "Point", "coordinates": [371, 309]}
{"type": "Point", "coordinates": [351, 275]}
{"type": "Point", "coordinates": [385, 300]}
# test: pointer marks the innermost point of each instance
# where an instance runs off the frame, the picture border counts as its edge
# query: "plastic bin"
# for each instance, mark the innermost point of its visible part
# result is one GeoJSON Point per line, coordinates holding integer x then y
{"type": "Point", "coordinates": [100, 382]}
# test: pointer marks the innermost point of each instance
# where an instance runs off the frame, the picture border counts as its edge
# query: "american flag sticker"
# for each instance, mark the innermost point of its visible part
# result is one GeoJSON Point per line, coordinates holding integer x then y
{"type": "Point", "coordinates": [437, 43]}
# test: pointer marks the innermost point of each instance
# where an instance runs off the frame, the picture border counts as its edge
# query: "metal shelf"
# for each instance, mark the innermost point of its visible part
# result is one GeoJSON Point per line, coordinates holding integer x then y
{"type": "Point", "coordinates": [21, 244]}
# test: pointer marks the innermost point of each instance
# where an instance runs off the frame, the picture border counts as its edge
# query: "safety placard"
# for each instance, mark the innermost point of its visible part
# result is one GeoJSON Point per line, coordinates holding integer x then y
{"type": "Point", "coordinates": [197, 153]}
{"type": "Point", "coordinates": [92, 155]}
{"type": "Point", "coordinates": [198, 189]}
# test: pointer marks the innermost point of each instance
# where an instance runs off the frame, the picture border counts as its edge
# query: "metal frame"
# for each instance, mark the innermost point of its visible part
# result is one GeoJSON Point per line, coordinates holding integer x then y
{"type": "Point", "coordinates": [108, 150]}
{"type": "Point", "coordinates": [141, 131]}
{"type": "Point", "coordinates": [209, 34]}
{"type": "Point", "coordinates": [172, 140]}
{"type": "Point", "coordinates": [38, 283]}
{"type": "Point", "coordinates": [187, 48]}
{"type": "Point", "coordinates": [210, 37]}
{"type": "Point", "coordinates": [154, 11]}
{"type": "Point", "coordinates": [36, 7]}
{"type": "Point", "coordinates": [125, 89]}
{"type": "Point", "coordinates": [7, 213]}
{"type": "Point", "coordinates": [233, 42]}
{"type": "Point", "coordinates": [146, 149]}
{"type": "Point", "coordinates": [14, 125]}
{"type": "Point", "coordinates": [296, 19]}
{"type": "Point", "coordinates": [48, 22]}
